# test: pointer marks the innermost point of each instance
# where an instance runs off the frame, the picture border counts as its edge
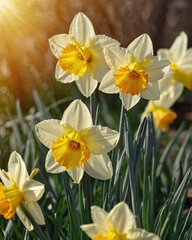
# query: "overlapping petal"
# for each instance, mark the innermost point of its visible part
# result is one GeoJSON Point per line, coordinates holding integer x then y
{"type": "Point", "coordinates": [81, 28]}
{"type": "Point", "coordinates": [76, 173]}
{"type": "Point", "coordinates": [32, 190]}
{"type": "Point", "coordinates": [101, 140]}
{"type": "Point", "coordinates": [152, 92]}
{"type": "Point", "coordinates": [186, 62]}
{"type": "Point", "coordinates": [90, 229]}
{"type": "Point", "coordinates": [115, 56]}
{"type": "Point", "coordinates": [108, 84]}
{"type": "Point", "coordinates": [99, 167]}
{"type": "Point", "coordinates": [63, 76]}
{"type": "Point", "coordinates": [26, 222]}
{"type": "Point", "coordinates": [99, 217]}
{"type": "Point", "coordinates": [120, 219]}
{"type": "Point", "coordinates": [141, 234]}
{"type": "Point", "coordinates": [179, 47]}
{"type": "Point", "coordinates": [86, 84]}
{"type": "Point", "coordinates": [77, 115]}
{"type": "Point", "coordinates": [52, 166]}
{"type": "Point", "coordinates": [128, 100]}
{"type": "Point", "coordinates": [36, 212]}
{"type": "Point", "coordinates": [99, 67]}
{"type": "Point", "coordinates": [141, 47]}
{"type": "Point", "coordinates": [48, 131]}
{"type": "Point", "coordinates": [5, 178]}
{"type": "Point", "coordinates": [156, 68]}
{"type": "Point", "coordinates": [58, 42]}
{"type": "Point", "coordinates": [17, 169]}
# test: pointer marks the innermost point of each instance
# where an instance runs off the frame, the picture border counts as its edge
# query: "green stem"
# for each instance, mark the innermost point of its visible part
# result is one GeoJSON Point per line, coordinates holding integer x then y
{"type": "Point", "coordinates": [37, 229]}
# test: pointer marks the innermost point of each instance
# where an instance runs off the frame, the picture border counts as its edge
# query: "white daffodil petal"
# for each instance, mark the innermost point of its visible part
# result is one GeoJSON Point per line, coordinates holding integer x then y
{"type": "Point", "coordinates": [120, 219]}
{"type": "Point", "coordinates": [128, 100]}
{"type": "Point", "coordinates": [99, 216]}
{"type": "Point", "coordinates": [86, 85]}
{"type": "Point", "coordinates": [108, 83]}
{"type": "Point", "coordinates": [179, 47]}
{"type": "Point", "coordinates": [24, 219]}
{"type": "Point", "coordinates": [186, 62]}
{"type": "Point", "coordinates": [77, 116]}
{"type": "Point", "coordinates": [63, 76]}
{"type": "Point", "coordinates": [5, 178]}
{"type": "Point", "coordinates": [36, 212]}
{"type": "Point", "coordinates": [48, 131]}
{"type": "Point", "coordinates": [165, 82]}
{"type": "Point", "coordinates": [99, 67]}
{"type": "Point", "coordinates": [32, 190]}
{"type": "Point", "coordinates": [141, 47]}
{"type": "Point", "coordinates": [164, 53]}
{"type": "Point", "coordinates": [17, 168]}
{"type": "Point", "coordinates": [76, 173]}
{"type": "Point", "coordinates": [116, 56]}
{"type": "Point", "coordinates": [60, 75]}
{"type": "Point", "coordinates": [101, 41]}
{"type": "Point", "coordinates": [58, 42]}
{"type": "Point", "coordinates": [156, 68]}
{"type": "Point", "coordinates": [170, 95]}
{"type": "Point", "coordinates": [99, 167]}
{"type": "Point", "coordinates": [101, 140]}
{"type": "Point", "coordinates": [141, 234]}
{"type": "Point", "coordinates": [152, 92]}
{"type": "Point", "coordinates": [52, 166]}
{"type": "Point", "coordinates": [81, 28]}
{"type": "Point", "coordinates": [90, 229]}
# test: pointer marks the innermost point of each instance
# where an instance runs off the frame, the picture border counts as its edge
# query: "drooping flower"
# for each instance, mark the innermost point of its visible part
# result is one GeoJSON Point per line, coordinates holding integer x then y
{"type": "Point", "coordinates": [17, 188]}
{"type": "Point", "coordinates": [134, 71]}
{"type": "Point", "coordinates": [118, 224]}
{"type": "Point", "coordinates": [162, 114]}
{"type": "Point", "coordinates": [76, 145]}
{"type": "Point", "coordinates": [80, 55]}
{"type": "Point", "coordinates": [180, 73]}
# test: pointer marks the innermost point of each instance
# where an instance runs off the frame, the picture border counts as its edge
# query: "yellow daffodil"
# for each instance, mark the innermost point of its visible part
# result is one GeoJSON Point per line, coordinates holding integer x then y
{"type": "Point", "coordinates": [76, 145]}
{"type": "Point", "coordinates": [80, 55]}
{"type": "Point", "coordinates": [134, 71]}
{"type": "Point", "coordinates": [18, 187]}
{"type": "Point", "coordinates": [118, 224]}
{"type": "Point", "coordinates": [180, 73]}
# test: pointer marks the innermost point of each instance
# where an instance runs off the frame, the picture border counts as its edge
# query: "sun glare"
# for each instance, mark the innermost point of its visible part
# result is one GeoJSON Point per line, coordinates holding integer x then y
{"type": "Point", "coordinates": [4, 4]}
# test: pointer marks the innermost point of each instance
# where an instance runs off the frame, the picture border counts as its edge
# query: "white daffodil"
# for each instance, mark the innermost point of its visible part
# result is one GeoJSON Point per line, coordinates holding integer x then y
{"type": "Point", "coordinates": [17, 188]}
{"type": "Point", "coordinates": [118, 224]}
{"type": "Point", "coordinates": [76, 145]}
{"type": "Point", "coordinates": [180, 73]}
{"type": "Point", "coordinates": [80, 55]}
{"type": "Point", "coordinates": [134, 71]}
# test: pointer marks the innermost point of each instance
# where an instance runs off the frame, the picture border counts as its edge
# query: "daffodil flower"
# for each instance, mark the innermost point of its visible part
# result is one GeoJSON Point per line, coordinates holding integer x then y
{"type": "Point", "coordinates": [118, 224]}
{"type": "Point", "coordinates": [17, 188]}
{"type": "Point", "coordinates": [76, 145]}
{"type": "Point", "coordinates": [80, 55]}
{"type": "Point", "coordinates": [134, 71]}
{"type": "Point", "coordinates": [180, 73]}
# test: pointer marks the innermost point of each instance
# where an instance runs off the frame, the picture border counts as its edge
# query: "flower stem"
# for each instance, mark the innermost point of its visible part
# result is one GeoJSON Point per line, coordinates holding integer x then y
{"type": "Point", "coordinates": [92, 106]}
{"type": "Point", "coordinates": [37, 228]}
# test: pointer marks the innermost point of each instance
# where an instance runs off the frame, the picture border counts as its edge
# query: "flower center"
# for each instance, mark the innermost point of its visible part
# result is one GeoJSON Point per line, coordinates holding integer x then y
{"type": "Point", "coordinates": [10, 198]}
{"type": "Point", "coordinates": [109, 236]}
{"type": "Point", "coordinates": [163, 117]}
{"type": "Point", "coordinates": [74, 59]}
{"type": "Point", "coordinates": [130, 79]}
{"type": "Point", "coordinates": [70, 150]}
{"type": "Point", "coordinates": [182, 76]}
